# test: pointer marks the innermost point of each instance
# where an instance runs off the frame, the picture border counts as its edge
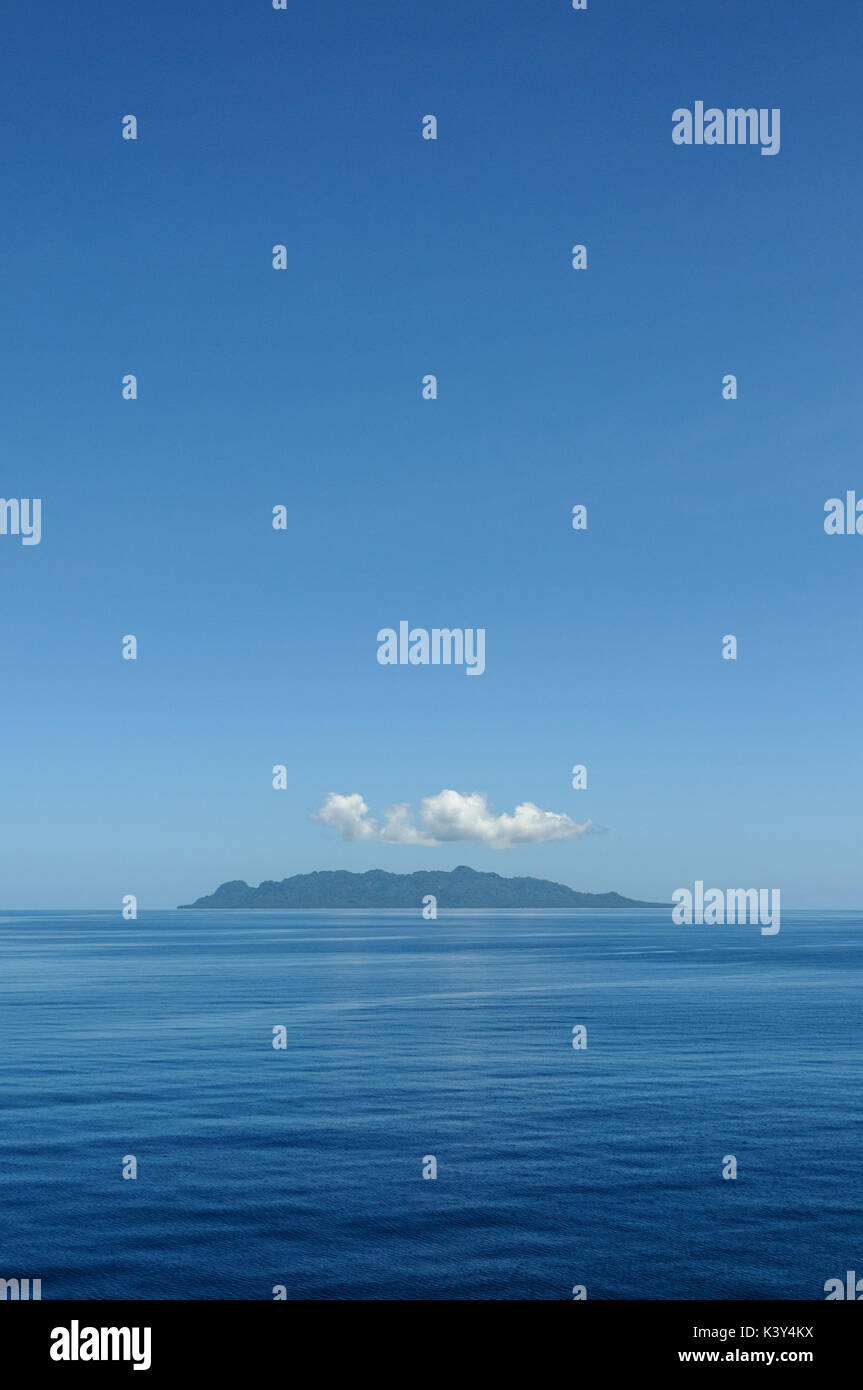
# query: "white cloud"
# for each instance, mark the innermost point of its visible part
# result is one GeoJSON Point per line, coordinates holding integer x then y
{"type": "Point", "coordinates": [448, 817]}
{"type": "Point", "coordinates": [349, 815]}
{"type": "Point", "coordinates": [399, 828]}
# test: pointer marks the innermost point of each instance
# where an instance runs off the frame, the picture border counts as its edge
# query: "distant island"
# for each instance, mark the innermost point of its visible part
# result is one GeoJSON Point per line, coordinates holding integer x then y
{"type": "Point", "coordinates": [461, 887]}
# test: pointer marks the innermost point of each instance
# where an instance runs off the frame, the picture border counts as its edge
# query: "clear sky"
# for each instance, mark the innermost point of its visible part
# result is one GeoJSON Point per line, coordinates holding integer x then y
{"type": "Point", "coordinates": [302, 387]}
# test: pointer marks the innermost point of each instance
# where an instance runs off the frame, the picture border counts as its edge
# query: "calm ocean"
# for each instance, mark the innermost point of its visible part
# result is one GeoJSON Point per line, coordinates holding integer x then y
{"type": "Point", "coordinates": [407, 1038]}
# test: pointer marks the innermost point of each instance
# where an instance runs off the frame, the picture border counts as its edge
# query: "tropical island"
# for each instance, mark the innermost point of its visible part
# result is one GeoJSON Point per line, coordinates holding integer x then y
{"type": "Point", "coordinates": [453, 888]}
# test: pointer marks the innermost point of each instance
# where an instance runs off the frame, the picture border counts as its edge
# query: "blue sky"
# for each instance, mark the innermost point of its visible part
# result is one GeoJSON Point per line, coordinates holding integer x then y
{"type": "Point", "coordinates": [302, 387]}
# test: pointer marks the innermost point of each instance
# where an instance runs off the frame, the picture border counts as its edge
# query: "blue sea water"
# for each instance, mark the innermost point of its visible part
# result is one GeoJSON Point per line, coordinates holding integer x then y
{"type": "Point", "coordinates": [408, 1038]}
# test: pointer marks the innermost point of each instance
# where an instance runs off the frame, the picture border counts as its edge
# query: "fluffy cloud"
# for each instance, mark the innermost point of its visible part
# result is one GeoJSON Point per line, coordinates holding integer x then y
{"type": "Point", "coordinates": [349, 815]}
{"type": "Point", "coordinates": [447, 817]}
